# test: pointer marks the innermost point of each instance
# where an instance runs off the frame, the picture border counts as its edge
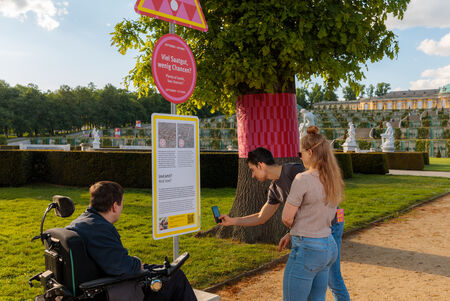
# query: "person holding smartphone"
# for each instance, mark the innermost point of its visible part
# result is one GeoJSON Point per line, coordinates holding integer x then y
{"type": "Point", "coordinates": [308, 212]}
{"type": "Point", "coordinates": [263, 167]}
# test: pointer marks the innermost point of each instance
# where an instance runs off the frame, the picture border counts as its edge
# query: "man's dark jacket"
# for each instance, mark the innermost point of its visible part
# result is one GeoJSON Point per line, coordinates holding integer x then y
{"type": "Point", "coordinates": [103, 244]}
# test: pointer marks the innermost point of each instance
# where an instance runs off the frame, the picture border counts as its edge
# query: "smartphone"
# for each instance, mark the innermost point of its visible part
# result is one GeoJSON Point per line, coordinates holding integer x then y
{"type": "Point", "coordinates": [216, 213]}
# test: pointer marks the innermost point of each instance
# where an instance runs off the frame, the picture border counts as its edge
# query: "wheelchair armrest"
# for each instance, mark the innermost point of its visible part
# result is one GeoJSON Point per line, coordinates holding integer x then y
{"type": "Point", "coordinates": [106, 281]}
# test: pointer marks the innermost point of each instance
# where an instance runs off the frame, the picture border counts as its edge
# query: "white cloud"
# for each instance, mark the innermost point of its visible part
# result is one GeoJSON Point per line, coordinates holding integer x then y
{"type": "Point", "coordinates": [433, 79]}
{"type": "Point", "coordinates": [432, 47]}
{"type": "Point", "coordinates": [46, 11]}
{"type": "Point", "coordinates": [398, 89]}
{"type": "Point", "coordinates": [430, 13]}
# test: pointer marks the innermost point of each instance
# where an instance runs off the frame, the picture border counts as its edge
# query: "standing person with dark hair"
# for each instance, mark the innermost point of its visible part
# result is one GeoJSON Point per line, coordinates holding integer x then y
{"type": "Point", "coordinates": [263, 168]}
{"type": "Point", "coordinates": [308, 212]}
{"type": "Point", "coordinates": [103, 243]}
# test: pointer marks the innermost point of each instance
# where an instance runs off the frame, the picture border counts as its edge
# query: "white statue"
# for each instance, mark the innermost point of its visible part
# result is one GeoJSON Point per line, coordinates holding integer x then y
{"type": "Point", "coordinates": [350, 142]}
{"type": "Point", "coordinates": [96, 135]}
{"type": "Point", "coordinates": [387, 139]}
{"type": "Point", "coordinates": [308, 120]}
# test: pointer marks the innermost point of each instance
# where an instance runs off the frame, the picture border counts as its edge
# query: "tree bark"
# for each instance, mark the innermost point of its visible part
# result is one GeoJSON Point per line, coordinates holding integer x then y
{"type": "Point", "coordinates": [270, 121]}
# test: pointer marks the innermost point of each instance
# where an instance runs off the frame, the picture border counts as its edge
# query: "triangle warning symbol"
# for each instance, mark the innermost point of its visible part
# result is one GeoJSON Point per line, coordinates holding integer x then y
{"type": "Point", "coordinates": [190, 9]}
{"type": "Point", "coordinates": [181, 13]}
{"type": "Point", "coordinates": [156, 4]}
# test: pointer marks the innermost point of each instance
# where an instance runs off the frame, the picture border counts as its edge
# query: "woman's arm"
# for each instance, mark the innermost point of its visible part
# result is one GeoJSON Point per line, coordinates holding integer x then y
{"type": "Point", "coordinates": [289, 212]}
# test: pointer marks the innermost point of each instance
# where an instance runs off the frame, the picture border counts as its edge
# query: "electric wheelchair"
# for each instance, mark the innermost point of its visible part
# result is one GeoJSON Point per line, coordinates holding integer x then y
{"type": "Point", "coordinates": [72, 275]}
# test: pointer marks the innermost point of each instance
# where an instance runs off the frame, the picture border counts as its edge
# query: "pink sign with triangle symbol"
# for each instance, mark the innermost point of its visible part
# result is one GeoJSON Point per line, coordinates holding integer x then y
{"type": "Point", "coordinates": [182, 12]}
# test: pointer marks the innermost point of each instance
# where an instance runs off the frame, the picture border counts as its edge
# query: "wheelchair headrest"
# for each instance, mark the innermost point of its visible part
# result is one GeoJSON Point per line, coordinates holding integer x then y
{"type": "Point", "coordinates": [64, 206]}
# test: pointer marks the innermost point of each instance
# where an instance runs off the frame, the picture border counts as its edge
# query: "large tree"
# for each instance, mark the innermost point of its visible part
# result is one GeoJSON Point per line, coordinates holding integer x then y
{"type": "Point", "coordinates": [248, 62]}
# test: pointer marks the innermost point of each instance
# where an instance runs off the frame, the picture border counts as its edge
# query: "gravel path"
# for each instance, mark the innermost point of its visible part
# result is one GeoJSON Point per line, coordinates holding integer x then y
{"type": "Point", "coordinates": [407, 258]}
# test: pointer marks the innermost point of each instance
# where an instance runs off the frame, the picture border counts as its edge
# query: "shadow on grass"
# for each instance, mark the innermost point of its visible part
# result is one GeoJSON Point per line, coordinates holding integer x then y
{"type": "Point", "coordinates": [395, 258]}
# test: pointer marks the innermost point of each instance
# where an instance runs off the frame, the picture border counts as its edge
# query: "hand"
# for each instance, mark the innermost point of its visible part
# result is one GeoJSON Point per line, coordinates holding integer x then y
{"type": "Point", "coordinates": [226, 220]}
{"type": "Point", "coordinates": [284, 241]}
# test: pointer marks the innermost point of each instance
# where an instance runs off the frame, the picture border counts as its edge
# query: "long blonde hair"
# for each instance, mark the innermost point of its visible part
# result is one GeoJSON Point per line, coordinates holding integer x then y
{"type": "Point", "coordinates": [325, 162]}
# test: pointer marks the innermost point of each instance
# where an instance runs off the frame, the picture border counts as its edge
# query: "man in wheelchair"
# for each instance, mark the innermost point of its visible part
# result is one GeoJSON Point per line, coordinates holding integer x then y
{"type": "Point", "coordinates": [106, 256]}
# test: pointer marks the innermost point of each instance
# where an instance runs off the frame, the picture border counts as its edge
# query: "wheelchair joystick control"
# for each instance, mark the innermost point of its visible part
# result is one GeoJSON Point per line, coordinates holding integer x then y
{"type": "Point", "coordinates": [156, 285]}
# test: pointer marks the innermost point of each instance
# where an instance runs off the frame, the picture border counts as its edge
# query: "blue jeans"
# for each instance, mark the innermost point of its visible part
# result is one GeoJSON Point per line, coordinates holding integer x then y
{"type": "Point", "coordinates": [306, 272]}
{"type": "Point", "coordinates": [335, 280]}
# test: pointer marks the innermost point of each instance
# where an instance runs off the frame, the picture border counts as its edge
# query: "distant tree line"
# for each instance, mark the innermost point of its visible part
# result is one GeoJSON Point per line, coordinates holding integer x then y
{"type": "Point", "coordinates": [28, 110]}
{"type": "Point", "coordinates": [307, 97]}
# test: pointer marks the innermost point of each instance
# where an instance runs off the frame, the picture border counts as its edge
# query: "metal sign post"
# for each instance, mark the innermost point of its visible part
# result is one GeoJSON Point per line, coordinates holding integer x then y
{"type": "Point", "coordinates": [173, 111]}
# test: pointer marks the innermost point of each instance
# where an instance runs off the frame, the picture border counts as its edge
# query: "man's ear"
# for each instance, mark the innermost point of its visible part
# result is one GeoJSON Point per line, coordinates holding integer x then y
{"type": "Point", "coordinates": [114, 207]}
{"type": "Point", "coordinates": [261, 165]}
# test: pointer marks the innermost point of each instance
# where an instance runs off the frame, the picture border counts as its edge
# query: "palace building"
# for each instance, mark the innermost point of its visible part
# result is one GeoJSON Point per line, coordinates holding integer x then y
{"type": "Point", "coordinates": [395, 100]}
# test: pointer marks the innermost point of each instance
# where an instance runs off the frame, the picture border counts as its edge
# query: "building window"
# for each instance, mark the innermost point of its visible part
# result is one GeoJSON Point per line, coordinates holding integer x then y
{"type": "Point", "coordinates": [443, 103]}
{"type": "Point", "coordinates": [399, 105]}
{"type": "Point", "coordinates": [389, 105]}
{"type": "Point", "coordinates": [409, 105]}
{"type": "Point", "coordinates": [366, 106]}
{"type": "Point", "coordinates": [430, 104]}
{"type": "Point", "coordinates": [380, 106]}
{"type": "Point", "coordinates": [419, 105]}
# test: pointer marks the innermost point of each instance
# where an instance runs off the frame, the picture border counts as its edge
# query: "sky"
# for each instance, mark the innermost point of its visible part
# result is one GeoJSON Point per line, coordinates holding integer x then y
{"type": "Point", "coordinates": [52, 43]}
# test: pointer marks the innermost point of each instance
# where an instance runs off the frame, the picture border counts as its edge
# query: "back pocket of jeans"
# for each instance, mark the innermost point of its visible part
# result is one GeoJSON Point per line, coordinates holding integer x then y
{"type": "Point", "coordinates": [315, 259]}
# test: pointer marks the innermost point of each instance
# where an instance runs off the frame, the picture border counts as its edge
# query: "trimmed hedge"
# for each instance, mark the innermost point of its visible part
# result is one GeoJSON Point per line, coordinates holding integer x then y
{"type": "Point", "coordinates": [218, 169]}
{"type": "Point", "coordinates": [370, 163]}
{"type": "Point", "coordinates": [406, 160]}
{"type": "Point", "coordinates": [130, 169]}
{"type": "Point", "coordinates": [15, 168]}
{"type": "Point", "coordinates": [75, 168]}
{"type": "Point", "coordinates": [345, 163]}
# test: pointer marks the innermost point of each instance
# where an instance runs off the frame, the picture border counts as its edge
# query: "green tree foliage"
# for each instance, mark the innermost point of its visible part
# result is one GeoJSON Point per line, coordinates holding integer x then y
{"type": "Point", "coordinates": [302, 97]}
{"type": "Point", "coordinates": [370, 90]}
{"type": "Point", "coordinates": [25, 109]}
{"type": "Point", "coordinates": [382, 89]}
{"type": "Point", "coordinates": [306, 98]}
{"type": "Point", "coordinates": [262, 46]}
{"type": "Point", "coordinates": [349, 93]}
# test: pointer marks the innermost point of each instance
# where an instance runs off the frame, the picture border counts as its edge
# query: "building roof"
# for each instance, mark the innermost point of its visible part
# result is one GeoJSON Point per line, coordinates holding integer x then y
{"type": "Point", "coordinates": [340, 102]}
{"type": "Point", "coordinates": [411, 93]}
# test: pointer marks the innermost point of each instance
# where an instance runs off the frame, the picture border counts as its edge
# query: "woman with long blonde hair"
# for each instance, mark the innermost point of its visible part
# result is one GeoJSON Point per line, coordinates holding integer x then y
{"type": "Point", "coordinates": [308, 212]}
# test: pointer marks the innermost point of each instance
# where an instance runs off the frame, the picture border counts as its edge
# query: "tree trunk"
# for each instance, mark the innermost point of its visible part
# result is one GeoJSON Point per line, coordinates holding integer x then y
{"type": "Point", "coordinates": [270, 121]}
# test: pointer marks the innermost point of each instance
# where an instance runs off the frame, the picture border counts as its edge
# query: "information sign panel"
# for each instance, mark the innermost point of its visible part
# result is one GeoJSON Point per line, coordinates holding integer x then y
{"type": "Point", "coordinates": [175, 175]}
{"type": "Point", "coordinates": [173, 68]}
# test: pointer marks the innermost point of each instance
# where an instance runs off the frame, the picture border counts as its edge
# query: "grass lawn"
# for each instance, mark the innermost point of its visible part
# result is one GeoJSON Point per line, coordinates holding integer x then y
{"type": "Point", "coordinates": [368, 198]}
{"type": "Point", "coordinates": [438, 164]}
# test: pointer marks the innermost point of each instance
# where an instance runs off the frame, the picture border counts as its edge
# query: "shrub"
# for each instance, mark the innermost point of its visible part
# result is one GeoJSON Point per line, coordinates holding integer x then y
{"type": "Point", "coordinates": [420, 146]}
{"type": "Point", "coordinates": [407, 160]}
{"type": "Point", "coordinates": [364, 144]}
{"type": "Point", "coordinates": [3, 140]}
{"type": "Point", "coordinates": [446, 134]}
{"type": "Point", "coordinates": [329, 133]}
{"type": "Point", "coordinates": [345, 163]}
{"type": "Point", "coordinates": [370, 163]}
{"type": "Point", "coordinates": [337, 145]}
{"type": "Point", "coordinates": [398, 134]}
{"type": "Point", "coordinates": [130, 169]}
{"type": "Point", "coordinates": [423, 133]}
{"type": "Point", "coordinates": [376, 133]}
{"type": "Point", "coordinates": [15, 167]}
